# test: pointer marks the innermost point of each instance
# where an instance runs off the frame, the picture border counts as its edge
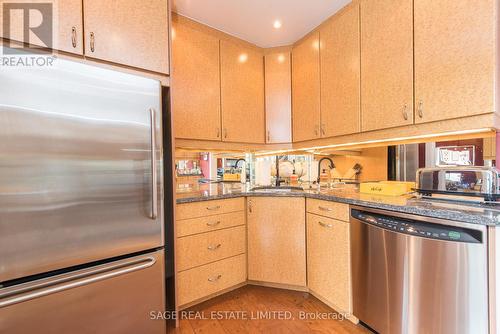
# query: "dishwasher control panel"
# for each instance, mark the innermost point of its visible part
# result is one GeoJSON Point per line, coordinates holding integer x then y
{"type": "Point", "coordinates": [418, 228]}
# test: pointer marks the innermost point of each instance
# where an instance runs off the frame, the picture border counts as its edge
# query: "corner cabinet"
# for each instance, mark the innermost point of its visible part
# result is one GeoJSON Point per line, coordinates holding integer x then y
{"type": "Point", "coordinates": [455, 58]}
{"type": "Point", "coordinates": [128, 32]}
{"type": "Point", "coordinates": [340, 73]}
{"type": "Point", "coordinates": [242, 93]}
{"type": "Point", "coordinates": [278, 97]}
{"type": "Point", "coordinates": [196, 73]}
{"type": "Point", "coordinates": [306, 89]}
{"type": "Point", "coordinates": [386, 63]}
{"type": "Point", "coordinates": [276, 240]}
{"type": "Point", "coordinates": [68, 25]}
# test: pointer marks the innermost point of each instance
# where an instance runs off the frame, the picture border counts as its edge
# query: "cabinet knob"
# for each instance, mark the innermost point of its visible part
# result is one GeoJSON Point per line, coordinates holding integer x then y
{"type": "Point", "coordinates": [225, 133]}
{"type": "Point", "coordinates": [218, 132]}
{"type": "Point", "coordinates": [316, 130]}
{"type": "Point", "coordinates": [215, 278]}
{"type": "Point", "coordinates": [250, 206]}
{"type": "Point", "coordinates": [323, 131]}
{"type": "Point", "coordinates": [214, 247]}
{"type": "Point", "coordinates": [213, 224]}
{"type": "Point", "coordinates": [421, 109]}
{"type": "Point", "coordinates": [405, 112]}
{"type": "Point", "coordinates": [92, 42]}
{"type": "Point", "coordinates": [73, 37]}
{"type": "Point", "coordinates": [268, 136]}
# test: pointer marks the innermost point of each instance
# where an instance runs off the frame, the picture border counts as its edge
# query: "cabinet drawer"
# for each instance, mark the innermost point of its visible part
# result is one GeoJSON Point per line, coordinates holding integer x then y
{"type": "Point", "coordinates": [209, 208]}
{"type": "Point", "coordinates": [196, 250]}
{"type": "Point", "coordinates": [328, 261]}
{"type": "Point", "coordinates": [203, 281]}
{"type": "Point", "coordinates": [334, 210]}
{"type": "Point", "coordinates": [210, 223]}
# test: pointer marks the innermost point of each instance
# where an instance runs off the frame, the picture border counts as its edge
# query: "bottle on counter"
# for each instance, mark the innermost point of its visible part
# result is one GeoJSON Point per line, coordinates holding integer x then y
{"type": "Point", "coordinates": [294, 179]}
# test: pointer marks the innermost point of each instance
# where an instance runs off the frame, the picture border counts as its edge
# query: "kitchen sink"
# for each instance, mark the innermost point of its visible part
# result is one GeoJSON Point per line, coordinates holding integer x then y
{"type": "Point", "coordinates": [284, 189]}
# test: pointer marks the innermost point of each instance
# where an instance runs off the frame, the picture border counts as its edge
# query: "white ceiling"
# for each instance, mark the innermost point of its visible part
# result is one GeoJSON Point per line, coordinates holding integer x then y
{"type": "Point", "coordinates": [252, 20]}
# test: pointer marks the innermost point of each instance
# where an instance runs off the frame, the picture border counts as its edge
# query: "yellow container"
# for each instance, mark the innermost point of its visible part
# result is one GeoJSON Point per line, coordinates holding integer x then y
{"type": "Point", "coordinates": [231, 177]}
{"type": "Point", "coordinates": [388, 188]}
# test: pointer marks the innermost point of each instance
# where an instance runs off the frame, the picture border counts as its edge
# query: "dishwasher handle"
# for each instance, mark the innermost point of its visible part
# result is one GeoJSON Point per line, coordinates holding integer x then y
{"type": "Point", "coordinates": [418, 228]}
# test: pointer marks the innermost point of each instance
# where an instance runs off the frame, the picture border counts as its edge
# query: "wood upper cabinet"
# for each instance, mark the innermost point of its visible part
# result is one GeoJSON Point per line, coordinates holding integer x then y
{"type": "Point", "coordinates": [276, 240]}
{"type": "Point", "coordinates": [328, 261]}
{"type": "Point", "coordinates": [128, 32]}
{"type": "Point", "coordinates": [278, 97]}
{"type": "Point", "coordinates": [67, 23]}
{"type": "Point", "coordinates": [386, 63]}
{"type": "Point", "coordinates": [196, 73]}
{"type": "Point", "coordinates": [242, 93]}
{"type": "Point", "coordinates": [306, 89]}
{"type": "Point", "coordinates": [455, 58]}
{"type": "Point", "coordinates": [340, 74]}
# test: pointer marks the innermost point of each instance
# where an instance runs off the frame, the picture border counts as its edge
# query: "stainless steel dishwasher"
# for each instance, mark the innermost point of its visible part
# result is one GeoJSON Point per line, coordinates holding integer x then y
{"type": "Point", "coordinates": [413, 274]}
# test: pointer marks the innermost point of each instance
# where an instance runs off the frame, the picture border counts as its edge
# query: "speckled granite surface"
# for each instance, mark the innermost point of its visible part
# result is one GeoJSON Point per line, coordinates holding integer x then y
{"type": "Point", "coordinates": [469, 213]}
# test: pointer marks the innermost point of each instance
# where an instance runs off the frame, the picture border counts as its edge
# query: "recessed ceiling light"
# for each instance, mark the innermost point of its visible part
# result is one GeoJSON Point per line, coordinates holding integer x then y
{"type": "Point", "coordinates": [243, 57]}
{"type": "Point", "coordinates": [277, 24]}
{"type": "Point", "coordinates": [281, 58]}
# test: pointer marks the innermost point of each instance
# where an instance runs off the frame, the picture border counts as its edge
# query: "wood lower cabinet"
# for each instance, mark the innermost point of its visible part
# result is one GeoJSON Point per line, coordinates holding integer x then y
{"type": "Point", "coordinates": [128, 32]}
{"type": "Point", "coordinates": [210, 248]}
{"type": "Point", "coordinates": [196, 73]}
{"type": "Point", "coordinates": [242, 93]}
{"type": "Point", "coordinates": [340, 73]}
{"type": "Point", "coordinates": [328, 261]}
{"type": "Point", "coordinates": [455, 58]}
{"type": "Point", "coordinates": [67, 23]}
{"type": "Point", "coordinates": [306, 89]}
{"type": "Point", "coordinates": [386, 63]}
{"type": "Point", "coordinates": [278, 97]}
{"type": "Point", "coordinates": [276, 240]}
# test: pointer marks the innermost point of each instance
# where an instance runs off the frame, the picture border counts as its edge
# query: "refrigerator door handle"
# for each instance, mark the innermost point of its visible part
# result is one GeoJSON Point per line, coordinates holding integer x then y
{"type": "Point", "coordinates": [45, 287]}
{"type": "Point", "coordinates": [154, 172]}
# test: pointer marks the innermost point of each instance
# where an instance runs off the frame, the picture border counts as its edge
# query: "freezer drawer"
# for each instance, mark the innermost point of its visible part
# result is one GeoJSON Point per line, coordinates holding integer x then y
{"type": "Point", "coordinates": [76, 167]}
{"type": "Point", "coordinates": [113, 298]}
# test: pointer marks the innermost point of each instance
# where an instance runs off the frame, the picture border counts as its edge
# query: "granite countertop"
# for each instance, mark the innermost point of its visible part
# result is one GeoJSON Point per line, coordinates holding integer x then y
{"type": "Point", "coordinates": [468, 213]}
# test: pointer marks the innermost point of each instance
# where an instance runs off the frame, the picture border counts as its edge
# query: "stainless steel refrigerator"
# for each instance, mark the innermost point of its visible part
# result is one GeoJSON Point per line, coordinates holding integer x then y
{"type": "Point", "coordinates": [81, 232]}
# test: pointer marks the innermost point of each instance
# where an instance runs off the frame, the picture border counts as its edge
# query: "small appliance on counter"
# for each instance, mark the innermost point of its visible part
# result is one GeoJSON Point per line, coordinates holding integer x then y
{"type": "Point", "coordinates": [478, 184]}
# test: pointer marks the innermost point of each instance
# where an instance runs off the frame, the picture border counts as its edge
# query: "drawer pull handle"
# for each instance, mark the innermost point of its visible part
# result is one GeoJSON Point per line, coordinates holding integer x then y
{"type": "Point", "coordinates": [214, 247]}
{"type": "Point", "coordinates": [325, 225]}
{"type": "Point", "coordinates": [214, 279]}
{"type": "Point", "coordinates": [212, 224]}
{"type": "Point", "coordinates": [211, 208]}
{"type": "Point", "coordinates": [322, 208]}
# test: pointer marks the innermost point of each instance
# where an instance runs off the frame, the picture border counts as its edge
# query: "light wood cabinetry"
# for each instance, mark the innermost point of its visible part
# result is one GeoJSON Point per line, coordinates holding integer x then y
{"type": "Point", "coordinates": [242, 93]}
{"type": "Point", "coordinates": [128, 32]}
{"type": "Point", "coordinates": [210, 248]}
{"type": "Point", "coordinates": [386, 64]}
{"type": "Point", "coordinates": [328, 253]}
{"type": "Point", "coordinates": [196, 73]}
{"type": "Point", "coordinates": [278, 97]}
{"type": "Point", "coordinates": [340, 73]}
{"type": "Point", "coordinates": [455, 58]}
{"type": "Point", "coordinates": [198, 283]}
{"type": "Point", "coordinates": [276, 240]}
{"type": "Point", "coordinates": [306, 89]}
{"type": "Point", "coordinates": [328, 261]}
{"type": "Point", "coordinates": [67, 20]}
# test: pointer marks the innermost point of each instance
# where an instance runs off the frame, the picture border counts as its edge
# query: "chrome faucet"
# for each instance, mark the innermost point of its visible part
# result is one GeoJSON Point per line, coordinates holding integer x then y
{"type": "Point", "coordinates": [332, 166]}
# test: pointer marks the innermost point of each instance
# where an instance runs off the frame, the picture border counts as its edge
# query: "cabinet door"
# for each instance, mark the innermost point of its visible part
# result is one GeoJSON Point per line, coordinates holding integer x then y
{"type": "Point", "coordinates": [278, 97]}
{"type": "Point", "coordinates": [242, 93]}
{"type": "Point", "coordinates": [455, 43]}
{"type": "Point", "coordinates": [128, 32]}
{"type": "Point", "coordinates": [340, 74]}
{"type": "Point", "coordinates": [67, 22]}
{"type": "Point", "coordinates": [386, 63]}
{"type": "Point", "coordinates": [196, 73]}
{"type": "Point", "coordinates": [276, 240]}
{"type": "Point", "coordinates": [328, 261]}
{"type": "Point", "coordinates": [306, 89]}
